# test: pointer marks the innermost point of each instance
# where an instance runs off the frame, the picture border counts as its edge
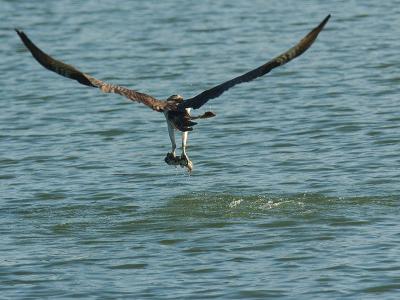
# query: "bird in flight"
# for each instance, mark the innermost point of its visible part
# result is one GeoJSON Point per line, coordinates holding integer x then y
{"type": "Point", "coordinates": [176, 109]}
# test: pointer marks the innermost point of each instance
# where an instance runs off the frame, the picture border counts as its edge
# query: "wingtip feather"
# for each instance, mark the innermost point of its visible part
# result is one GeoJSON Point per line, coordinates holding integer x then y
{"type": "Point", "coordinates": [22, 35]}
{"type": "Point", "coordinates": [325, 21]}
{"type": "Point", "coordinates": [19, 32]}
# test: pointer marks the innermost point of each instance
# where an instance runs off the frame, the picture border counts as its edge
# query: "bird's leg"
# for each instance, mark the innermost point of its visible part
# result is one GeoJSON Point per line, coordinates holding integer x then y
{"type": "Point", "coordinates": [171, 132]}
{"type": "Point", "coordinates": [171, 159]}
{"type": "Point", "coordinates": [185, 161]}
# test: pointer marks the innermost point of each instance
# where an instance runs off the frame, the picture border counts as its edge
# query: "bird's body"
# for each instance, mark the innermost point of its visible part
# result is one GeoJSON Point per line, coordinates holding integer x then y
{"type": "Point", "coordinates": [176, 109]}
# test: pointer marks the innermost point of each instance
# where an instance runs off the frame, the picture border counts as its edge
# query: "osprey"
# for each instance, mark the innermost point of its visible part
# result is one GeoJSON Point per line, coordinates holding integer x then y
{"type": "Point", "coordinates": [176, 110]}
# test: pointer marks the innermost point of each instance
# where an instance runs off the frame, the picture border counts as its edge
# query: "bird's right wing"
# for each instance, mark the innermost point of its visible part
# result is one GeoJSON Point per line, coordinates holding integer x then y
{"type": "Point", "coordinates": [298, 49]}
{"type": "Point", "coordinates": [70, 72]}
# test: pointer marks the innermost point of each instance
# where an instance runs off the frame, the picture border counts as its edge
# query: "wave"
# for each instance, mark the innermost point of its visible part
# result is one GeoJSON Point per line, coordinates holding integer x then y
{"type": "Point", "coordinates": [204, 204]}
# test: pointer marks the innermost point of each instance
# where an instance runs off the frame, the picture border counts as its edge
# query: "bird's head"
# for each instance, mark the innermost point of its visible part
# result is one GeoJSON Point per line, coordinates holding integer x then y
{"type": "Point", "coordinates": [175, 98]}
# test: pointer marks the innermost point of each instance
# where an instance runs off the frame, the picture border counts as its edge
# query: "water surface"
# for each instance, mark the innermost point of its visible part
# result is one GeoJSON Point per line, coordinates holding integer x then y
{"type": "Point", "coordinates": [295, 192]}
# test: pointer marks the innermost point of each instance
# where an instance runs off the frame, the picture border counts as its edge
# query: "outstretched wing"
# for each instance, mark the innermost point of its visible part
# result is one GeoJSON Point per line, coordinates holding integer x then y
{"type": "Point", "coordinates": [300, 48]}
{"type": "Point", "coordinates": [70, 72]}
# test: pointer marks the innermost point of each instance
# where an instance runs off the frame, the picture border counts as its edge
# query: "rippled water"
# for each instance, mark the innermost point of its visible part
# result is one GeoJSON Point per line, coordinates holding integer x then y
{"type": "Point", "coordinates": [295, 192]}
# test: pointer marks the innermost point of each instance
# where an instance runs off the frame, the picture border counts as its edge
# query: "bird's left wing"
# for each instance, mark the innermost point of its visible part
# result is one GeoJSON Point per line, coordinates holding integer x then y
{"type": "Point", "coordinates": [298, 49]}
{"type": "Point", "coordinates": [71, 72]}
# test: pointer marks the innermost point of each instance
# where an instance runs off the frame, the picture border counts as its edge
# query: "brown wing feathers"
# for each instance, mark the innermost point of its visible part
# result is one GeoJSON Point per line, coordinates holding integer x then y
{"type": "Point", "coordinates": [70, 72]}
{"type": "Point", "coordinates": [300, 48]}
{"type": "Point", "coordinates": [195, 102]}
{"type": "Point", "coordinates": [53, 64]}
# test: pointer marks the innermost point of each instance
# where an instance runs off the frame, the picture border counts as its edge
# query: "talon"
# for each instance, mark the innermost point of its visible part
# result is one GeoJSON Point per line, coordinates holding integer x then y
{"type": "Point", "coordinates": [171, 159]}
{"type": "Point", "coordinates": [185, 162]}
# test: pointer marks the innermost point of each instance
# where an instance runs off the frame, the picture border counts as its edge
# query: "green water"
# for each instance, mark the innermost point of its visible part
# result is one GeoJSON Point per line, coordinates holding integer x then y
{"type": "Point", "coordinates": [295, 192]}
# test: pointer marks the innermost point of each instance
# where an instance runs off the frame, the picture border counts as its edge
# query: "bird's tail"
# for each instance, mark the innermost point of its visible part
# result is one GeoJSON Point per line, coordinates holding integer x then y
{"type": "Point", "coordinates": [185, 121]}
{"type": "Point", "coordinates": [206, 115]}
